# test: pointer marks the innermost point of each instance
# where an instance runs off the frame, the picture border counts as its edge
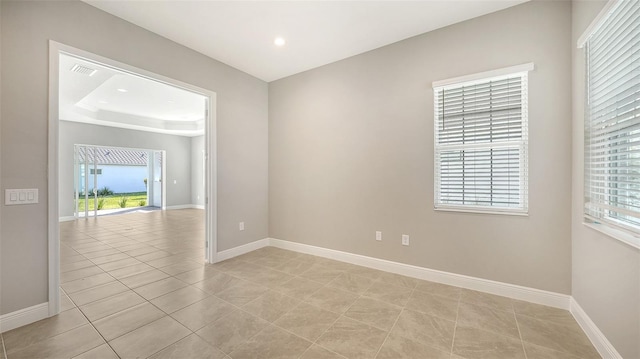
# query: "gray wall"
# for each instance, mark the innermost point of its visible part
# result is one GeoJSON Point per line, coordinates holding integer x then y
{"type": "Point", "coordinates": [197, 170]}
{"type": "Point", "coordinates": [606, 272]}
{"type": "Point", "coordinates": [242, 131]}
{"type": "Point", "coordinates": [351, 152]}
{"type": "Point", "coordinates": [178, 158]}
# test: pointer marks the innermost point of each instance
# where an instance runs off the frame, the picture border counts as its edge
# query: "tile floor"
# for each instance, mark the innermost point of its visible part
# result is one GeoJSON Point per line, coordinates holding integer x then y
{"type": "Point", "coordinates": [135, 286]}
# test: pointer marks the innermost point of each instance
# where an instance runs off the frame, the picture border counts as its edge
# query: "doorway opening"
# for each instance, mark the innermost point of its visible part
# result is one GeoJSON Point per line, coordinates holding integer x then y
{"type": "Point", "coordinates": [100, 108]}
{"type": "Point", "coordinates": [117, 180]}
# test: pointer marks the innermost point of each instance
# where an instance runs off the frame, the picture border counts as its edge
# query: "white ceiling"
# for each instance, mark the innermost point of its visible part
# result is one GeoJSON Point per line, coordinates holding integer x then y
{"type": "Point", "coordinates": [241, 33]}
{"type": "Point", "coordinates": [146, 105]}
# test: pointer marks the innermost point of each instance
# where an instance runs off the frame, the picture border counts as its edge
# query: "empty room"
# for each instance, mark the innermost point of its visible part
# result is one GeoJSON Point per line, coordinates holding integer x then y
{"type": "Point", "coordinates": [450, 179]}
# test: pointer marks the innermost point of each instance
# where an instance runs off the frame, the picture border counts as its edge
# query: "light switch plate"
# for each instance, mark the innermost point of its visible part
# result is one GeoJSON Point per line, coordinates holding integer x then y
{"type": "Point", "coordinates": [20, 196]}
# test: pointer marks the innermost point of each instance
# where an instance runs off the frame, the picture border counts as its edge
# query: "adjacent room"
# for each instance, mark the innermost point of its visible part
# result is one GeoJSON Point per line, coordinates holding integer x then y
{"type": "Point", "coordinates": [320, 179]}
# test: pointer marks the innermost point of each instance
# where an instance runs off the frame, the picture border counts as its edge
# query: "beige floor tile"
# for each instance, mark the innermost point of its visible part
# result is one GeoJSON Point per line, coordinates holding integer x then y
{"type": "Point", "coordinates": [318, 352]}
{"type": "Point", "coordinates": [352, 339]}
{"type": "Point", "coordinates": [65, 345]}
{"type": "Point", "coordinates": [161, 287]}
{"type": "Point", "coordinates": [201, 313]}
{"type": "Point", "coordinates": [86, 283]}
{"type": "Point", "coordinates": [537, 352]}
{"type": "Point", "coordinates": [542, 312]}
{"type": "Point", "coordinates": [485, 318]}
{"type": "Point", "coordinates": [269, 261]}
{"type": "Point", "coordinates": [79, 273]}
{"type": "Point", "coordinates": [217, 283]}
{"type": "Point", "coordinates": [364, 271]}
{"type": "Point", "coordinates": [149, 339]}
{"type": "Point", "coordinates": [440, 289]}
{"type": "Point", "coordinates": [242, 293]}
{"type": "Point", "coordinates": [567, 339]}
{"type": "Point", "coordinates": [179, 299]}
{"type": "Point", "coordinates": [396, 347]}
{"type": "Point", "coordinates": [127, 320]}
{"type": "Point", "coordinates": [153, 255]}
{"type": "Point", "coordinates": [271, 305]}
{"type": "Point", "coordinates": [122, 263]}
{"type": "Point", "coordinates": [109, 258]}
{"type": "Point", "coordinates": [294, 267]}
{"type": "Point", "coordinates": [110, 305]}
{"type": "Point", "coordinates": [426, 329]}
{"type": "Point", "coordinates": [192, 347]}
{"type": "Point", "coordinates": [332, 299]}
{"type": "Point", "coordinates": [138, 280]}
{"type": "Point", "coordinates": [181, 267]}
{"type": "Point", "coordinates": [486, 300]}
{"type": "Point", "coordinates": [435, 305]}
{"type": "Point", "coordinates": [65, 302]}
{"type": "Point", "coordinates": [270, 278]}
{"type": "Point", "coordinates": [139, 250]}
{"type": "Point", "coordinates": [318, 273]}
{"type": "Point", "coordinates": [102, 352]}
{"type": "Point", "coordinates": [351, 283]}
{"type": "Point", "coordinates": [232, 331]}
{"type": "Point", "coordinates": [20, 338]}
{"type": "Point", "coordinates": [98, 292]}
{"type": "Point", "coordinates": [164, 261]}
{"type": "Point", "coordinates": [130, 270]}
{"type": "Point", "coordinates": [307, 321]}
{"type": "Point", "coordinates": [374, 312]}
{"type": "Point", "coordinates": [71, 266]}
{"type": "Point", "coordinates": [476, 343]}
{"type": "Point", "coordinates": [272, 342]}
{"type": "Point", "coordinates": [397, 279]}
{"type": "Point", "coordinates": [389, 293]}
{"type": "Point", "coordinates": [197, 275]}
{"type": "Point", "coordinates": [299, 288]}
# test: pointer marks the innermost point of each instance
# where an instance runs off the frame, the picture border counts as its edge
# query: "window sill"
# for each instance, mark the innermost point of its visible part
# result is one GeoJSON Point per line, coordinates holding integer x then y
{"type": "Point", "coordinates": [614, 233]}
{"type": "Point", "coordinates": [481, 211]}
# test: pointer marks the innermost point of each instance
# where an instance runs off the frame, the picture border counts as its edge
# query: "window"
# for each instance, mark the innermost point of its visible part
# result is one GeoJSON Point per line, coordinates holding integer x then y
{"type": "Point", "coordinates": [92, 171]}
{"type": "Point", "coordinates": [612, 117]}
{"type": "Point", "coordinates": [481, 142]}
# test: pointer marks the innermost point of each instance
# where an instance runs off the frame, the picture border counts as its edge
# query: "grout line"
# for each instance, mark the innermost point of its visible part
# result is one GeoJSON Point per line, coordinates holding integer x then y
{"type": "Point", "coordinates": [519, 333]}
{"type": "Point", "coordinates": [4, 350]}
{"type": "Point", "coordinates": [455, 326]}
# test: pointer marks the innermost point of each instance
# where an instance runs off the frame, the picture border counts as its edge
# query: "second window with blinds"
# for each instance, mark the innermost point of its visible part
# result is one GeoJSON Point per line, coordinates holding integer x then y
{"type": "Point", "coordinates": [481, 142]}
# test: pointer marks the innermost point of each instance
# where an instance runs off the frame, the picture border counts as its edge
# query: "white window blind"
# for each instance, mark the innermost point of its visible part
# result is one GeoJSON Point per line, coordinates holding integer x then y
{"type": "Point", "coordinates": [612, 124]}
{"type": "Point", "coordinates": [481, 144]}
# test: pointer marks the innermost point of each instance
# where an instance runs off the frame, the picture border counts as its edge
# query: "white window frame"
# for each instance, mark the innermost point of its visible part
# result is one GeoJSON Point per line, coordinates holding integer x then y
{"type": "Point", "coordinates": [523, 143]}
{"type": "Point", "coordinates": [623, 232]}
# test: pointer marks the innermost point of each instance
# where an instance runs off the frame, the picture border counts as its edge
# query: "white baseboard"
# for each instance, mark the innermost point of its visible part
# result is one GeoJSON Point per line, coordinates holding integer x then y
{"type": "Point", "coordinates": [185, 206]}
{"type": "Point", "coordinates": [240, 250]}
{"type": "Point", "coordinates": [23, 317]}
{"type": "Point", "coordinates": [598, 339]}
{"type": "Point", "coordinates": [67, 218]}
{"type": "Point", "coordinates": [532, 295]}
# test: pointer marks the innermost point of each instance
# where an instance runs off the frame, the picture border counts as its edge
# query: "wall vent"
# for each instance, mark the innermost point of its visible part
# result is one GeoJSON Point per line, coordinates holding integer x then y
{"type": "Point", "coordinates": [83, 70]}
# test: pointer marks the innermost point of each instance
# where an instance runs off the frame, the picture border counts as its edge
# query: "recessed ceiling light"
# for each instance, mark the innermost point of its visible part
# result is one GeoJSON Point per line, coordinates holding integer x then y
{"type": "Point", "coordinates": [279, 41]}
{"type": "Point", "coordinates": [122, 90]}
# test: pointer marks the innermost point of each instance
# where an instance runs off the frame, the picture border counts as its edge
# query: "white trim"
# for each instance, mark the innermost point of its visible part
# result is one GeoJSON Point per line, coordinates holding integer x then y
{"type": "Point", "coordinates": [67, 218]}
{"type": "Point", "coordinates": [532, 295]}
{"type": "Point", "coordinates": [486, 75]}
{"type": "Point", "coordinates": [240, 250]}
{"type": "Point", "coordinates": [613, 232]}
{"type": "Point", "coordinates": [597, 22]}
{"type": "Point", "coordinates": [479, 210]}
{"type": "Point", "coordinates": [597, 338]}
{"type": "Point", "coordinates": [23, 317]}
{"type": "Point", "coordinates": [185, 206]}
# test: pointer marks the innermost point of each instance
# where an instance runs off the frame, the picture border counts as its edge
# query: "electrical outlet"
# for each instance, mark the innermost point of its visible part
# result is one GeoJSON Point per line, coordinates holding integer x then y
{"type": "Point", "coordinates": [241, 226]}
{"type": "Point", "coordinates": [378, 236]}
{"type": "Point", "coordinates": [405, 239]}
